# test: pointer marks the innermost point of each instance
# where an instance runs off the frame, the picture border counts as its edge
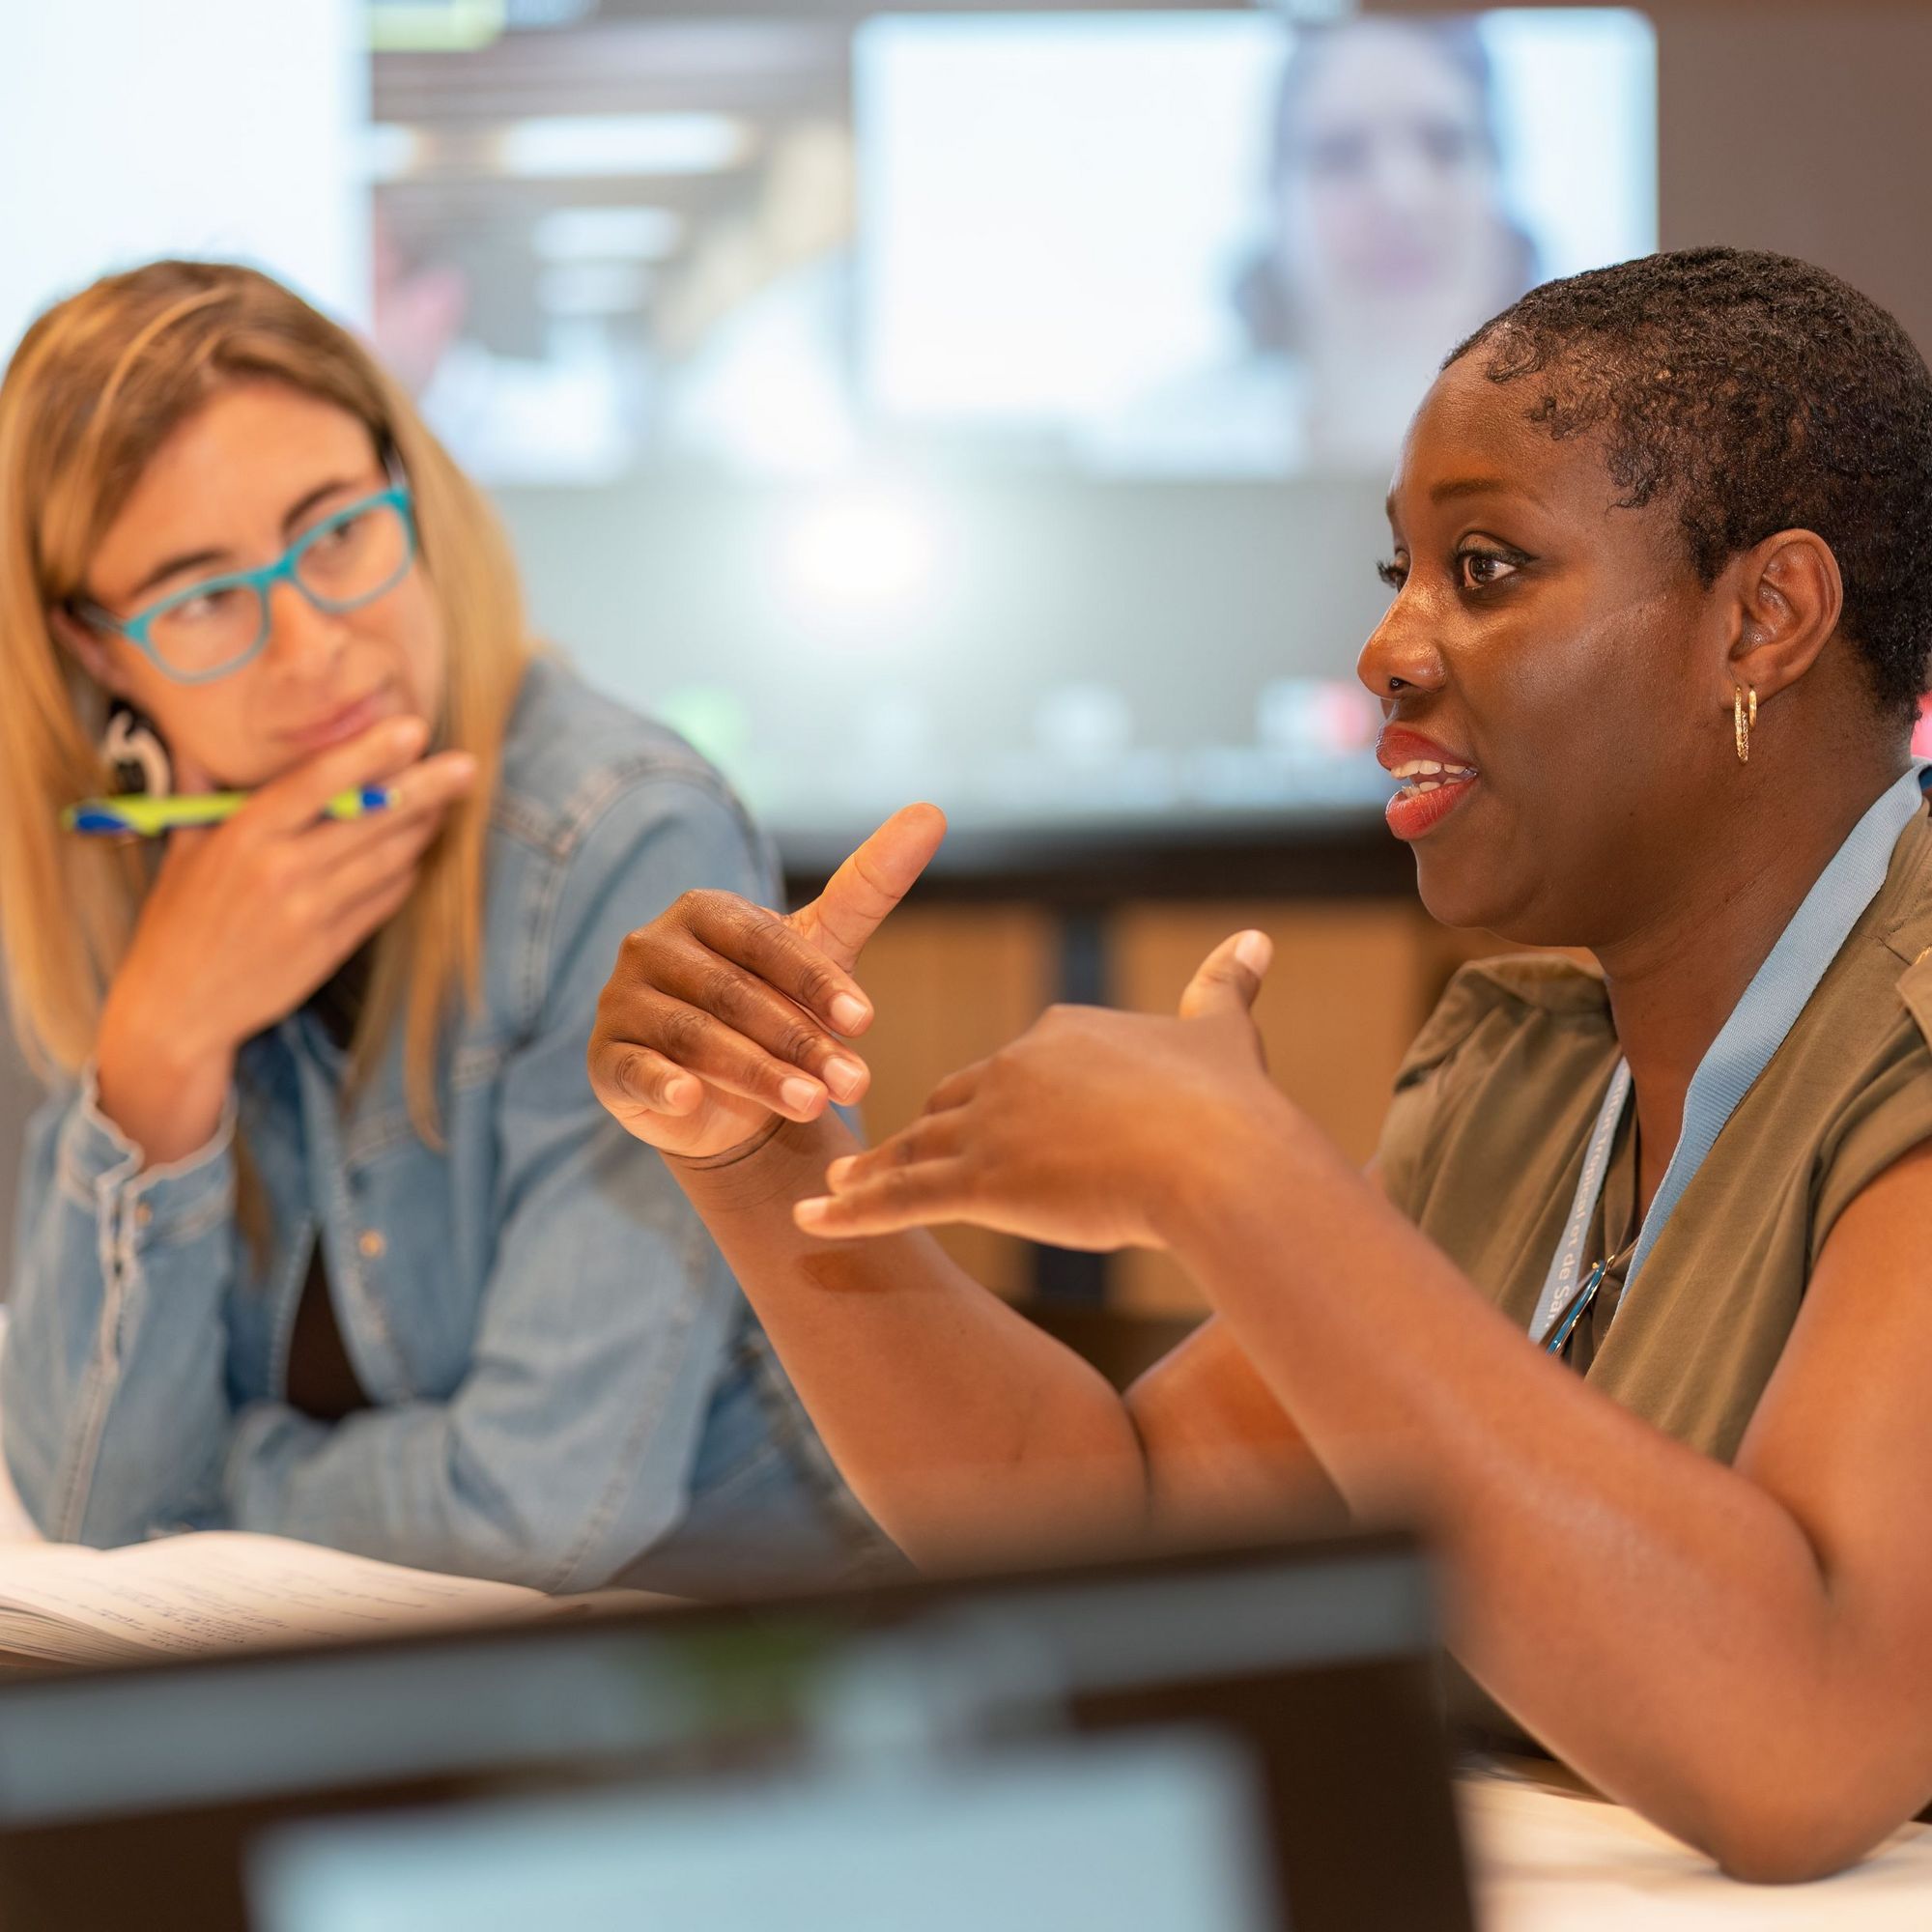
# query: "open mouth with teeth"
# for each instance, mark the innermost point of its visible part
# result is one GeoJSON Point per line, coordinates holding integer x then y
{"type": "Point", "coordinates": [1424, 774]}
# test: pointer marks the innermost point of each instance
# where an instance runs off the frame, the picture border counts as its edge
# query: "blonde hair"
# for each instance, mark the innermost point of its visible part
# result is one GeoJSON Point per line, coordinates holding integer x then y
{"type": "Point", "coordinates": [97, 385]}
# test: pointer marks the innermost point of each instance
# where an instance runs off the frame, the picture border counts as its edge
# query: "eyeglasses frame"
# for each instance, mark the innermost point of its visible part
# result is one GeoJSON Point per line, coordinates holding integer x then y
{"type": "Point", "coordinates": [135, 629]}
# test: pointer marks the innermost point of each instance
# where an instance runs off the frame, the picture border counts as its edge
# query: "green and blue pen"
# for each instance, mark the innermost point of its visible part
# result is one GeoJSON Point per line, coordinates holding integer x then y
{"type": "Point", "coordinates": [138, 816]}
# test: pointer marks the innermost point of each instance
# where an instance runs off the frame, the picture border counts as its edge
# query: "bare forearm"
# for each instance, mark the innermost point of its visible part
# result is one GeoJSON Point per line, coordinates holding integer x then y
{"type": "Point", "coordinates": [1654, 1616]}
{"type": "Point", "coordinates": [964, 1428]}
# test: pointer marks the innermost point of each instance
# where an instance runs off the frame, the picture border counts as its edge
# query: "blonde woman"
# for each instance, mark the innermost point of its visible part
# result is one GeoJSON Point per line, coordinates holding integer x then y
{"type": "Point", "coordinates": [322, 1232]}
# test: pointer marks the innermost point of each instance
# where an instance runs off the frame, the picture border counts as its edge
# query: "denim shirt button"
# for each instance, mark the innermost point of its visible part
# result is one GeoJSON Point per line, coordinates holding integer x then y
{"type": "Point", "coordinates": [370, 1243]}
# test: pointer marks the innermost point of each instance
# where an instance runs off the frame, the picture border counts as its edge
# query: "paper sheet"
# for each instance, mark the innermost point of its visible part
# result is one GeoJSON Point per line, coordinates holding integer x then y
{"type": "Point", "coordinates": [220, 1590]}
{"type": "Point", "coordinates": [1546, 1863]}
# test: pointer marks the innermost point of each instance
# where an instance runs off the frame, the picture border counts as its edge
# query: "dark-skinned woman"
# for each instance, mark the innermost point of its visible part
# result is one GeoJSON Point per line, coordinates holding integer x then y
{"type": "Point", "coordinates": [1636, 1304]}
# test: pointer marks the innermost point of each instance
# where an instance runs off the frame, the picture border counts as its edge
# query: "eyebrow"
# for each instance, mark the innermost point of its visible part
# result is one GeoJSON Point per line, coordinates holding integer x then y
{"type": "Point", "coordinates": [196, 559]}
{"type": "Point", "coordinates": [1472, 486]}
{"type": "Point", "coordinates": [1454, 486]}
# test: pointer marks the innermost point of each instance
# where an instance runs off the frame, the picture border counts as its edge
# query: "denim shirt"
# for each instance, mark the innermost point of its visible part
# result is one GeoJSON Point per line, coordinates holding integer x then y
{"type": "Point", "coordinates": [567, 1387]}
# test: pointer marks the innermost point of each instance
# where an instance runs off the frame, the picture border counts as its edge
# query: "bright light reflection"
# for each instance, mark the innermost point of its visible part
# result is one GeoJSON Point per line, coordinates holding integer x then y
{"type": "Point", "coordinates": [860, 553]}
{"type": "Point", "coordinates": [608, 233]}
{"type": "Point", "coordinates": [562, 145]}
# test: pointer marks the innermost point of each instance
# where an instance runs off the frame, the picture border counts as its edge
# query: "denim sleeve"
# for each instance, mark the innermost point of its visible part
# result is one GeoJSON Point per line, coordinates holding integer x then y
{"type": "Point", "coordinates": [568, 1447]}
{"type": "Point", "coordinates": [112, 1384]}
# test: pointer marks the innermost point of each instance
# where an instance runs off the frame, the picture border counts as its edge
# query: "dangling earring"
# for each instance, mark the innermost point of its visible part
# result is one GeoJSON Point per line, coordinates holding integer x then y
{"type": "Point", "coordinates": [136, 757]}
{"type": "Point", "coordinates": [1744, 714]}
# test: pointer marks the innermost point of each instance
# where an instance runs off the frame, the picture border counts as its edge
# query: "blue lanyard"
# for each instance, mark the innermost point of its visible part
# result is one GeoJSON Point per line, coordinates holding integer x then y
{"type": "Point", "coordinates": [1743, 1046]}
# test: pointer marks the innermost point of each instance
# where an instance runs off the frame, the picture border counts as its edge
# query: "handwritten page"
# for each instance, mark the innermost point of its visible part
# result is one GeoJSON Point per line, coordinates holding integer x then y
{"type": "Point", "coordinates": [221, 1590]}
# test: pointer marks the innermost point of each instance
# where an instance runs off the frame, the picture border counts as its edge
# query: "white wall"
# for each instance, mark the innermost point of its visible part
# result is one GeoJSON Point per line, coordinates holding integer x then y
{"type": "Point", "coordinates": [130, 129]}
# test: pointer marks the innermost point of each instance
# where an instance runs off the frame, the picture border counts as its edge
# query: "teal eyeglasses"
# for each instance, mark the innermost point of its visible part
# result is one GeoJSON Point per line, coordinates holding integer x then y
{"type": "Point", "coordinates": [216, 626]}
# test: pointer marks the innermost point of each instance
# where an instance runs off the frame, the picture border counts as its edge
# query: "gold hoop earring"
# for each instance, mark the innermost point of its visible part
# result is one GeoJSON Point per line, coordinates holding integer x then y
{"type": "Point", "coordinates": [1744, 714]}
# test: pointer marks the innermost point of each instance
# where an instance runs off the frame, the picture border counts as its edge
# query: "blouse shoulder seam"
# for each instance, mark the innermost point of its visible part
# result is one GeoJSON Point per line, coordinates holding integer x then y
{"type": "Point", "coordinates": [1519, 985]}
{"type": "Point", "coordinates": [1549, 981]}
{"type": "Point", "coordinates": [1915, 991]}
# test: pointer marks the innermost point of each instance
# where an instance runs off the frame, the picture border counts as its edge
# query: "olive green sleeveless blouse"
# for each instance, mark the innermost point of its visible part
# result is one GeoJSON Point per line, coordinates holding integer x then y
{"type": "Point", "coordinates": [1494, 1106]}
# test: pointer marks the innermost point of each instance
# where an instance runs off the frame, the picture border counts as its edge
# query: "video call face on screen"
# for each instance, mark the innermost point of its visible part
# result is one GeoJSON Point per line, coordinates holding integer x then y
{"type": "Point", "coordinates": [1147, 244]}
{"type": "Point", "coordinates": [1220, 245]}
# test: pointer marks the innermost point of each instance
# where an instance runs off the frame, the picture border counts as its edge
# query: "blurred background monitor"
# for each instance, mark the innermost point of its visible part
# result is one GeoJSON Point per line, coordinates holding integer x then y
{"type": "Point", "coordinates": [1206, 243]}
{"type": "Point", "coordinates": [1144, 1836]}
{"type": "Point", "coordinates": [993, 403]}
{"type": "Point", "coordinates": [133, 1796]}
{"type": "Point", "coordinates": [991, 406]}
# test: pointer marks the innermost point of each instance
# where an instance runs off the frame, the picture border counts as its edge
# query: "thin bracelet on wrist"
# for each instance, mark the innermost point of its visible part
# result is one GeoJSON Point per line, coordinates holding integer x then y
{"type": "Point", "coordinates": [731, 1155]}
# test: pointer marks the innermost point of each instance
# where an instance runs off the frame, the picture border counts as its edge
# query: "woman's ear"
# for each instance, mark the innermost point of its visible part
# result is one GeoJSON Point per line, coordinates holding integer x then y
{"type": "Point", "coordinates": [93, 656]}
{"type": "Point", "coordinates": [1790, 598]}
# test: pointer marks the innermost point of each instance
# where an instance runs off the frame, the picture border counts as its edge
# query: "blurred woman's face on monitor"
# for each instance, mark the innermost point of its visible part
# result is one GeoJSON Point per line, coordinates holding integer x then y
{"type": "Point", "coordinates": [254, 471]}
{"type": "Point", "coordinates": [1391, 206]}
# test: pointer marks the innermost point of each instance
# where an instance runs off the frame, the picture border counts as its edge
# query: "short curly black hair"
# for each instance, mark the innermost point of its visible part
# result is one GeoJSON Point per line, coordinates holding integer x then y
{"type": "Point", "coordinates": [1761, 394]}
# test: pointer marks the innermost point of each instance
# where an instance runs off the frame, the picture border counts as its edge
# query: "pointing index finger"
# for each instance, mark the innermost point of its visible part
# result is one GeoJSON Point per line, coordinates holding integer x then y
{"type": "Point", "coordinates": [871, 882]}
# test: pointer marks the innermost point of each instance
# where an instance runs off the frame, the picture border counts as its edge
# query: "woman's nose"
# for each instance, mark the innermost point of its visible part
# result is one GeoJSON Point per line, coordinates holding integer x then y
{"type": "Point", "coordinates": [1399, 655]}
{"type": "Point", "coordinates": [302, 639]}
{"type": "Point", "coordinates": [1405, 179]}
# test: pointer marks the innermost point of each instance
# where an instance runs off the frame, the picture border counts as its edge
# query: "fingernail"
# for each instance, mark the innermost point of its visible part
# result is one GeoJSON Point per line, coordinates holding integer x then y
{"type": "Point", "coordinates": [1254, 950]}
{"type": "Point", "coordinates": [848, 1013]}
{"type": "Point", "coordinates": [844, 1077]}
{"type": "Point", "coordinates": [680, 1095]}
{"type": "Point", "coordinates": [799, 1095]}
{"type": "Point", "coordinates": [809, 1214]}
{"type": "Point", "coordinates": [411, 731]}
{"type": "Point", "coordinates": [461, 765]}
{"type": "Point", "coordinates": [836, 1174]}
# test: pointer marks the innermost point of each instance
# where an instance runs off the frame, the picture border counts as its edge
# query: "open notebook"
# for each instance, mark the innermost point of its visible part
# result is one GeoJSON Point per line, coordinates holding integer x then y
{"type": "Point", "coordinates": [222, 1590]}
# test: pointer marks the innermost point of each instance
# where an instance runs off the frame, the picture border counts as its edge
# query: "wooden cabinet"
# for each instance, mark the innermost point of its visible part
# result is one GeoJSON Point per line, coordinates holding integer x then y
{"type": "Point", "coordinates": [948, 984]}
